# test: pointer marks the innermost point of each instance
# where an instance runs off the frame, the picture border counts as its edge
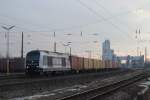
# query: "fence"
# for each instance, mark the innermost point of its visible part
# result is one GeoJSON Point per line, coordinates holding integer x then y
{"type": "Point", "coordinates": [15, 65]}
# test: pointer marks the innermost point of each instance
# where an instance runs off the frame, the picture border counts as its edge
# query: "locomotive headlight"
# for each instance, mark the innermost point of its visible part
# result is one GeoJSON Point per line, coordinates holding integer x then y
{"type": "Point", "coordinates": [27, 67]}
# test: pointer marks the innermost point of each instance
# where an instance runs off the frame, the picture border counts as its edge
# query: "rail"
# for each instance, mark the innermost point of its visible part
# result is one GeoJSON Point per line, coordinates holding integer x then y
{"type": "Point", "coordinates": [96, 93]}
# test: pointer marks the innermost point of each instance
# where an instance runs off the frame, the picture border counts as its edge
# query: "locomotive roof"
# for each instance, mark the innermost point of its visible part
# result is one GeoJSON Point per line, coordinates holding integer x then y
{"type": "Point", "coordinates": [47, 51]}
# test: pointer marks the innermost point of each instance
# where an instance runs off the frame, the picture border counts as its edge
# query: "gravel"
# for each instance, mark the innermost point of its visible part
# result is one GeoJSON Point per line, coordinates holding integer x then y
{"type": "Point", "coordinates": [46, 86]}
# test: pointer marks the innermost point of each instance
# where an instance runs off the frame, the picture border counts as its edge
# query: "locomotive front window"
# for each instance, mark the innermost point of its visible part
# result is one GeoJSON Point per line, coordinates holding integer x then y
{"type": "Point", "coordinates": [33, 56]}
{"type": "Point", "coordinates": [32, 59]}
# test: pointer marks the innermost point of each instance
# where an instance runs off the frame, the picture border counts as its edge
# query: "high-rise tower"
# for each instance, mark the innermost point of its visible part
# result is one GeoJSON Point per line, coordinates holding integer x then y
{"type": "Point", "coordinates": [107, 52]}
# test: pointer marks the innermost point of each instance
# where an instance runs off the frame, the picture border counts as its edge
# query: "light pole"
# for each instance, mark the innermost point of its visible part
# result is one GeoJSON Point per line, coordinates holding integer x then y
{"type": "Point", "coordinates": [7, 54]}
{"type": "Point", "coordinates": [55, 43]}
{"type": "Point", "coordinates": [70, 55]}
{"type": "Point", "coordinates": [70, 50]}
{"type": "Point", "coordinates": [67, 45]}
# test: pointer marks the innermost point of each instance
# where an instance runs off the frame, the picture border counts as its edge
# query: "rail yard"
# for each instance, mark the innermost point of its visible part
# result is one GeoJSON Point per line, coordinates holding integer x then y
{"type": "Point", "coordinates": [60, 76]}
{"type": "Point", "coordinates": [85, 86]}
{"type": "Point", "coordinates": [74, 50]}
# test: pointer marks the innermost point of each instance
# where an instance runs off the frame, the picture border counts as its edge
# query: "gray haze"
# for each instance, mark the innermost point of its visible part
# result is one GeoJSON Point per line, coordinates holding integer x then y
{"type": "Point", "coordinates": [116, 20]}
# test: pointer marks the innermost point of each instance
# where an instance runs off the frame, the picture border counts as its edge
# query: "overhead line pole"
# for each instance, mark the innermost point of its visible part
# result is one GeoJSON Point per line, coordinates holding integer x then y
{"type": "Point", "coordinates": [22, 46]}
{"type": "Point", "coordinates": [55, 44]}
{"type": "Point", "coordinates": [145, 54]}
{"type": "Point", "coordinates": [7, 54]}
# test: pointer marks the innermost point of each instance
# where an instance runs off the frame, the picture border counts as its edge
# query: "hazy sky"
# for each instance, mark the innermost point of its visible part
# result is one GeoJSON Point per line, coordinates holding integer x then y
{"type": "Point", "coordinates": [116, 20]}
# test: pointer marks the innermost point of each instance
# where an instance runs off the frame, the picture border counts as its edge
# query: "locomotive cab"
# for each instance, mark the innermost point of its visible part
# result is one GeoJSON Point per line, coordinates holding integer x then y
{"type": "Point", "coordinates": [33, 62]}
{"type": "Point", "coordinates": [44, 62]}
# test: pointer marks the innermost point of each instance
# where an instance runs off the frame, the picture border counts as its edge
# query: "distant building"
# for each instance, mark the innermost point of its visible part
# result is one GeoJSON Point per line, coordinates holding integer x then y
{"type": "Point", "coordinates": [136, 61]}
{"type": "Point", "coordinates": [107, 52]}
{"type": "Point", "coordinates": [128, 61]}
{"type": "Point", "coordinates": [132, 61]}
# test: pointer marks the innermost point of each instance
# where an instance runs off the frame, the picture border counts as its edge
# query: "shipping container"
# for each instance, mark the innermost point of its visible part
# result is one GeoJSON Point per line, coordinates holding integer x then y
{"type": "Point", "coordinates": [103, 64]}
{"type": "Point", "coordinates": [100, 63]}
{"type": "Point", "coordinates": [81, 63]}
{"type": "Point", "coordinates": [91, 64]}
{"type": "Point", "coordinates": [96, 64]}
{"type": "Point", "coordinates": [86, 64]}
{"type": "Point", "coordinates": [115, 64]}
{"type": "Point", "coordinates": [107, 64]}
{"type": "Point", "coordinates": [110, 64]}
{"type": "Point", "coordinates": [77, 63]}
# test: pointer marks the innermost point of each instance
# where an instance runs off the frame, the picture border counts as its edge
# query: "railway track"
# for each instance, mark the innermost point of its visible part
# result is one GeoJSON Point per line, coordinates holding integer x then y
{"type": "Point", "coordinates": [8, 81]}
{"type": "Point", "coordinates": [12, 76]}
{"type": "Point", "coordinates": [98, 92]}
{"type": "Point", "coordinates": [13, 86]}
{"type": "Point", "coordinates": [20, 78]}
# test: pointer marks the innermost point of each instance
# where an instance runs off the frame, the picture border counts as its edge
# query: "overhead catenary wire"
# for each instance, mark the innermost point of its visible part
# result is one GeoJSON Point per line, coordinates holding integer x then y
{"type": "Point", "coordinates": [66, 28]}
{"type": "Point", "coordinates": [111, 15]}
{"type": "Point", "coordinates": [24, 21]}
{"type": "Point", "coordinates": [98, 15]}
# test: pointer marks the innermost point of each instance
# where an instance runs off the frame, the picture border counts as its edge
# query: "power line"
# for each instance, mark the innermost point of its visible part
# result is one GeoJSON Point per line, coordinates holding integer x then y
{"type": "Point", "coordinates": [72, 27]}
{"type": "Point", "coordinates": [98, 15]}
{"type": "Point", "coordinates": [109, 13]}
{"type": "Point", "coordinates": [21, 20]}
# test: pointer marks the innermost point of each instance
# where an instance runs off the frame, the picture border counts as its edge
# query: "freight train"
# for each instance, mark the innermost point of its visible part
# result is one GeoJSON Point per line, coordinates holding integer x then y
{"type": "Point", "coordinates": [44, 62]}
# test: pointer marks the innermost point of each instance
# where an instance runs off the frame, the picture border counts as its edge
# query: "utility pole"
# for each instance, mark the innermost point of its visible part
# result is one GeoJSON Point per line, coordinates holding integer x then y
{"type": "Point", "coordinates": [145, 54]}
{"type": "Point", "coordinates": [138, 32]}
{"type": "Point", "coordinates": [70, 50]}
{"type": "Point", "coordinates": [22, 46]}
{"type": "Point", "coordinates": [55, 44]}
{"type": "Point", "coordinates": [81, 34]}
{"type": "Point", "coordinates": [140, 53]}
{"type": "Point", "coordinates": [137, 51]}
{"type": "Point", "coordinates": [7, 54]}
{"type": "Point", "coordinates": [70, 57]}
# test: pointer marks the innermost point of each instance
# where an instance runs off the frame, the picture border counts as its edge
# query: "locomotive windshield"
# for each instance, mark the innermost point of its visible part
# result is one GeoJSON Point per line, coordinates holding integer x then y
{"type": "Point", "coordinates": [33, 56]}
{"type": "Point", "coordinates": [32, 60]}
